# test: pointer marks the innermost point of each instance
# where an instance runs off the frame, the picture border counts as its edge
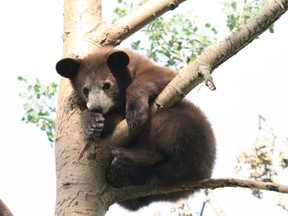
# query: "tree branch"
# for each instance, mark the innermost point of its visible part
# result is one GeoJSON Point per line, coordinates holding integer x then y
{"type": "Point", "coordinates": [133, 192]}
{"type": "Point", "coordinates": [113, 34]}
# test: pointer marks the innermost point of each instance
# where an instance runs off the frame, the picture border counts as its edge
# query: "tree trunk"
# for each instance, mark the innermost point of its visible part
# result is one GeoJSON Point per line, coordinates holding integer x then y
{"type": "Point", "coordinates": [79, 182]}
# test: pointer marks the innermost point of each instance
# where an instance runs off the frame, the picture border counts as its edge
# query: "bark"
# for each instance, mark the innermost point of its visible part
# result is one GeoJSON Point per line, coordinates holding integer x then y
{"type": "Point", "coordinates": [4, 211]}
{"type": "Point", "coordinates": [81, 185]}
{"type": "Point", "coordinates": [78, 182]}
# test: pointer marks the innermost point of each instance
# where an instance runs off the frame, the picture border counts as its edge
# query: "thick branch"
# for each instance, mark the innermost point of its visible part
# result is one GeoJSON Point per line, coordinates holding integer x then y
{"type": "Point", "coordinates": [114, 33]}
{"type": "Point", "coordinates": [133, 192]}
{"type": "Point", "coordinates": [188, 77]}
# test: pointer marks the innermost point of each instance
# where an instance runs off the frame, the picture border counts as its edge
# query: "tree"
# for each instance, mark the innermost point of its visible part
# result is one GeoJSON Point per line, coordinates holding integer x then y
{"type": "Point", "coordinates": [81, 183]}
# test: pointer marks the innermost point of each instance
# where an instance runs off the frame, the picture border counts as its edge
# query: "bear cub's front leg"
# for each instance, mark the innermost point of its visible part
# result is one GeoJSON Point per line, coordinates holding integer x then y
{"type": "Point", "coordinates": [137, 107]}
{"type": "Point", "coordinates": [92, 124]}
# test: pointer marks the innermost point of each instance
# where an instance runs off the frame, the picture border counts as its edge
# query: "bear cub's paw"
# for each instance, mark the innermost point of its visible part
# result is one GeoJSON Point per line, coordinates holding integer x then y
{"type": "Point", "coordinates": [93, 124]}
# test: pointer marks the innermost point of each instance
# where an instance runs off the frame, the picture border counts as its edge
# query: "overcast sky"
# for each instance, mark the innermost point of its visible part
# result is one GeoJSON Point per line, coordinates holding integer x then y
{"type": "Point", "coordinates": [252, 82]}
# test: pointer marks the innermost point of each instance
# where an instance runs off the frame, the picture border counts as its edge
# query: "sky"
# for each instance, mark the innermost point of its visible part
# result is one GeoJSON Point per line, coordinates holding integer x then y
{"type": "Point", "coordinates": [252, 82]}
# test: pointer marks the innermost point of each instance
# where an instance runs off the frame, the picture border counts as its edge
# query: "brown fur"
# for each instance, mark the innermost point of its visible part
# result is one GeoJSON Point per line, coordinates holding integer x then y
{"type": "Point", "coordinates": [176, 145]}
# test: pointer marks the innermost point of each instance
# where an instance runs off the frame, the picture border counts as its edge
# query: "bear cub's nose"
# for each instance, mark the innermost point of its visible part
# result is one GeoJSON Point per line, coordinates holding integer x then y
{"type": "Point", "coordinates": [96, 109]}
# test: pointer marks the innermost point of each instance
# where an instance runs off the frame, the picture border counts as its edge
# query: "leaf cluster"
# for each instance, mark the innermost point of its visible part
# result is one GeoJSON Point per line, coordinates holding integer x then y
{"type": "Point", "coordinates": [177, 40]}
{"type": "Point", "coordinates": [38, 104]}
{"type": "Point", "coordinates": [124, 7]}
{"type": "Point", "coordinates": [239, 11]}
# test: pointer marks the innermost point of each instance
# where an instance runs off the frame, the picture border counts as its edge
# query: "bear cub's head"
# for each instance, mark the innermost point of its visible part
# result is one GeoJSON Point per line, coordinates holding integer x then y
{"type": "Point", "coordinates": [100, 79]}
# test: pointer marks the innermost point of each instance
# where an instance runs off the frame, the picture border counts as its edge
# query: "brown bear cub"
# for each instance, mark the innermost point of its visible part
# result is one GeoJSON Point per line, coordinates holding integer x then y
{"type": "Point", "coordinates": [174, 146]}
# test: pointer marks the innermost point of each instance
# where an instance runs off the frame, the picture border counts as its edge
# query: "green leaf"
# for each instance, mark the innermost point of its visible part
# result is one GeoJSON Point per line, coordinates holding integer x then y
{"type": "Point", "coordinates": [207, 25]}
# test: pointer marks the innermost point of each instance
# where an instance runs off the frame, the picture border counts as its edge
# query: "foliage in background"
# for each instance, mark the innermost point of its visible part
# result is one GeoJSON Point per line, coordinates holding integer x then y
{"type": "Point", "coordinates": [267, 160]}
{"type": "Point", "coordinates": [239, 11]}
{"type": "Point", "coordinates": [172, 39]}
{"type": "Point", "coordinates": [39, 106]}
{"type": "Point", "coordinates": [176, 40]}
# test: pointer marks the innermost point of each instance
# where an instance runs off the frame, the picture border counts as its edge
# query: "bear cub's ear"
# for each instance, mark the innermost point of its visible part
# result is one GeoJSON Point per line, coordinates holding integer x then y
{"type": "Point", "coordinates": [67, 67]}
{"type": "Point", "coordinates": [118, 59]}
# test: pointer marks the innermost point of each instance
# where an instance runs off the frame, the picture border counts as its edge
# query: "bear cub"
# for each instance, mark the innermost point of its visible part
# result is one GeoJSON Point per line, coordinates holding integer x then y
{"type": "Point", "coordinates": [174, 146]}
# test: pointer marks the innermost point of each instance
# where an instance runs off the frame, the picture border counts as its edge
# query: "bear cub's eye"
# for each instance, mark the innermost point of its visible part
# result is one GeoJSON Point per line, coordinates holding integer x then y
{"type": "Point", "coordinates": [106, 86]}
{"type": "Point", "coordinates": [85, 91]}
